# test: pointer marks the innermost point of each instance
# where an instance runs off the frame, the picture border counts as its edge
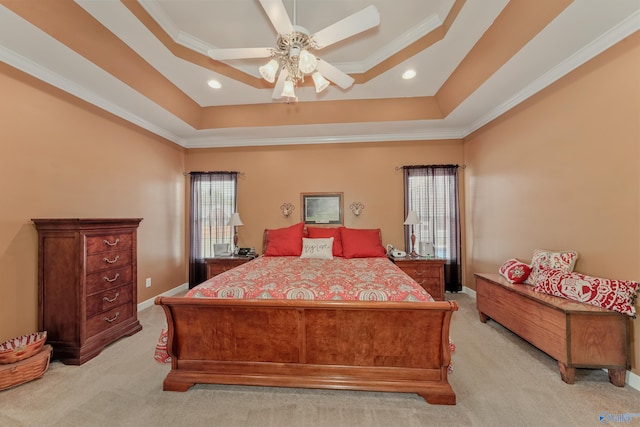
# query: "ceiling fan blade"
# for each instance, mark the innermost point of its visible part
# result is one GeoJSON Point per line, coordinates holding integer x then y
{"type": "Point", "coordinates": [240, 53]}
{"type": "Point", "coordinates": [277, 90]}
{"type": "Point", "coordinates": [330, 72]}
{"type": "Point", "coordinates": [278, 15]}
{"type": "Point", "coordinates": [368, 17]}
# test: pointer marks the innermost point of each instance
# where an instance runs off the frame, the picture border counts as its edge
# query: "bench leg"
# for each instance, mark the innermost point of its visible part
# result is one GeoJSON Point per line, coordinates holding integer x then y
{"type": "Point", "coordinates": [617, 376]}
{"type": "Point", "coordinates": [567, 374]}
{"type": "Point", "coordinates": [483, 317]}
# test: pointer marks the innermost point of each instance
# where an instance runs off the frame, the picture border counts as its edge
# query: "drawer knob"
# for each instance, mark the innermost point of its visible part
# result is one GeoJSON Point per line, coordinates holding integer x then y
{"type": "Point", "coordinates": [106, 319]}
{"type": "Point", "coordinates": [106, 279]}
{"type": "Point", "coordinates": [418, 272]}
{"type": "Point", "coordinates": [105, 299]}
{"type": "Point", "coordinates": [108, 243]}
{"type": "Point", "coordinates": [111, 261]}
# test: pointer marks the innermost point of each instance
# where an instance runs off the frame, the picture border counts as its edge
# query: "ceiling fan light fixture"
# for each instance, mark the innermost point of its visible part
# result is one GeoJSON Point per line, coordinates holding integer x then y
{"type": "Point", "coordinates": [294, 52]}
{"type": "Point", "coordinates": [268, 71]}
{"type": "Point", "coordinates": [319, 81]}
{"type": "Point", "coordinates": [288, 90]}
{"type": "Point", "coordinates": [307, 62]}
{"type": "Point", "coordinates": [295, 47]}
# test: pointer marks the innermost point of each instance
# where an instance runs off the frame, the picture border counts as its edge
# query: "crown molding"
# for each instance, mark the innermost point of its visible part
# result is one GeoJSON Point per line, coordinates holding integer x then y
{"type": "Point", "coordinates": [42, 73]}
{"type": "Point", "coordinates": [627, 27]}
{"type": "Point", "coordinates": [226, 141]}
{"type": "Point", "coordinates": [401, 42]}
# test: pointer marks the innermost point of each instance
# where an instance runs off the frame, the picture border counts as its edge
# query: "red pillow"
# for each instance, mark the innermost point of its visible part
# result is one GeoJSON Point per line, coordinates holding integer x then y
{"type": "Point", "coordinates": [285, 241]}
{"type": "Point", "coordinates": [357, 243]}
{"type": "Point", "coordinates": [324, 232]}
{"type": "Point", "coordinates": [515, 271]}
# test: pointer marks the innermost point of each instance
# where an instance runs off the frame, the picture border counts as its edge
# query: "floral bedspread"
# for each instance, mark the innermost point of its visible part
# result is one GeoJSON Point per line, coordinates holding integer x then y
{"type": "Point", "coordinates": [363, 279]}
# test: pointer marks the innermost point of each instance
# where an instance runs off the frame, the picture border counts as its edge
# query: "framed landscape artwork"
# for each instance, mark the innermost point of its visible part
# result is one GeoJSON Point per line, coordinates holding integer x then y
{"type": "Point", "coordinates": [321, 208]}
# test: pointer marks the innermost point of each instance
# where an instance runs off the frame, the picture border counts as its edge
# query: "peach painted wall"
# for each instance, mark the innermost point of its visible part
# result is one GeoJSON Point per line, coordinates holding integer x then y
{"type": "Point", "coordinates": [562, 171]}
{"type": "Point", "coordinates": [63, 158]}
{"type": "Point", "coordinates": [364, 172]}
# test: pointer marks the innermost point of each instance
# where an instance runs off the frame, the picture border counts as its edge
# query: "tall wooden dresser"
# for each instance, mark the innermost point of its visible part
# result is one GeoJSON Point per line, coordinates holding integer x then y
{"type": "Point", "coordinates": [87, 284]}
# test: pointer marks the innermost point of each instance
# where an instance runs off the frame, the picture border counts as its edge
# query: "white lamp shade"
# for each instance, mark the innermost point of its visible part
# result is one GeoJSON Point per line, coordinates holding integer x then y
{"type": "Point", "coordinates": [288, 90]}
{"type": "Point", "coordinates": [268, 71]}
{"type": "Point", "coordinates": [307, 62]}
{"type": "Point", "coordinates": [235, 219]}
{"type": "Point", "coordinates": [412, 218]}
{"type": "Point", "coordinates": [319, 81]}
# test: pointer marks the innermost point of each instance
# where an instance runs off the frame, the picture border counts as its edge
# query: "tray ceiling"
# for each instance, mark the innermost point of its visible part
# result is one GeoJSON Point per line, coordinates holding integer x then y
{"type": "Point", "coordinates": [146, 61]}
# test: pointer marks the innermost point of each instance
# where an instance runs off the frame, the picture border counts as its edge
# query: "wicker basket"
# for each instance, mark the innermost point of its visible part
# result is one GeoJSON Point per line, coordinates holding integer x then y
{"type": "Point", "coordinates": [20, 348]}
{"type": "Point", "coordinates": [34, 367]}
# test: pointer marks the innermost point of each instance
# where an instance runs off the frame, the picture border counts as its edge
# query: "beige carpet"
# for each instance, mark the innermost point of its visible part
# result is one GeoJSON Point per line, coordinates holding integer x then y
{"type": "Point", "coordinates": [499, 379]}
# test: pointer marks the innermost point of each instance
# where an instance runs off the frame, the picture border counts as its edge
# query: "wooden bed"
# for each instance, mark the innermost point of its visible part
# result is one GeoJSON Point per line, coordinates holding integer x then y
{"type": "Point", "coordinates": [397, 346]}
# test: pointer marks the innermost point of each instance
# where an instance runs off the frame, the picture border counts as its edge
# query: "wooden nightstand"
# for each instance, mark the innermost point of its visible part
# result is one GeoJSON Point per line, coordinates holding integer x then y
{"type": "Point", "coordinates": [428, 272]}
{"type": "Point", "coordinates": [221, 264]}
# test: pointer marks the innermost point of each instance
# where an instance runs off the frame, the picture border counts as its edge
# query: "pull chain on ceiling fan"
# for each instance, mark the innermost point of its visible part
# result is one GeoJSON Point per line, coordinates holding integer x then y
{"type": "Point", "coordinates": [294, 46]}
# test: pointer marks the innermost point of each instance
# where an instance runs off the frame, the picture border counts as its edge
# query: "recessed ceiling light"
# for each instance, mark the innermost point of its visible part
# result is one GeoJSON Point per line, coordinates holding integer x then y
{"type": "Point", "coordinates": [214, 84]}
{"type": "Point", "coordinates": [409, 74]}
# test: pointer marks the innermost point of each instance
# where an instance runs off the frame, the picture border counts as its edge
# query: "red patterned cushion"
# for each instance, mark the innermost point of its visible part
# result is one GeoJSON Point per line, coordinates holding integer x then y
{"type": "Point", "coordinates": [515, 271]}
{"type": "Point", "coordinates": [544, 259]}
{"type": "Point", "coordinates": [285, 241]}
{"type": "Point", "coordinates": [316, 232]}
{"type": "Point", "coordinates": [618, 295]}
{"type": "Point", "coordinates": [360, 243]}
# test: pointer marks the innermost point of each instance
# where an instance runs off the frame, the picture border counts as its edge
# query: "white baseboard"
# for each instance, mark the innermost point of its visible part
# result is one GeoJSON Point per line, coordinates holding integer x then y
{"type": "Point", "coordinates": [469, 291]}
{"type": "Point", "coordinates": [632, 380]}
{"type": "Point", "coordinates": [148, 303]}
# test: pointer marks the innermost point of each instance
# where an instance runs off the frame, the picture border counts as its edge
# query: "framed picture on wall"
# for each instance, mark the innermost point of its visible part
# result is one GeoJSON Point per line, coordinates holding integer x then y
{"type": "Point", "coordinates": [321, 208]}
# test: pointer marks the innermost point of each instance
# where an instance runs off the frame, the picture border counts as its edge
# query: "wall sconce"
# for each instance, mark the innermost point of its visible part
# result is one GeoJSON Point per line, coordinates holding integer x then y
{"type": "Point", "coordinates": [287, 209]}
{"type": "Point", "coordinates": [356, 208]}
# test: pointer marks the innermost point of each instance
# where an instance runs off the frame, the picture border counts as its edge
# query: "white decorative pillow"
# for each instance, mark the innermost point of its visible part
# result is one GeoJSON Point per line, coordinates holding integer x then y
{"type": "Point", "coordinates": [317, 248]}
{"type": "Point", "coordinates": [618, 295]}
{"type": "Point", "coordinates": [544, 259]}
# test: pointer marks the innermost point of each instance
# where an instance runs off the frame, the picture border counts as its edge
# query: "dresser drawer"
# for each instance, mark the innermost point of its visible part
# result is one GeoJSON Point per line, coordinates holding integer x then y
{"type": "Point", "coordinates": [105, 301]}
{"type": "Point", "coordinates": [429, 273]}
{"type": "Point", "coordinates": [108, 260]}
{"type": "Point", "coordinates": [107, 279]}
{"type": "Point", "coordinates": [217, 266]}
{"type": "Point", "coordinates": [108, 319]}
{"type": "Point", "coordinates": [420, 270]}
{"type": "Point", "coordinates": [109, 242]}
{"type": "Point", "coordinates": [433, 286]}
{"type": "Point", "coordinates": [214, 270]}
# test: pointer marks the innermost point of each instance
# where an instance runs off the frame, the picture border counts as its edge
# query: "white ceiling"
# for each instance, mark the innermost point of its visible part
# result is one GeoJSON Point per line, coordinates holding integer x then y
{"type": "Point", "coordinates": [581, 31]}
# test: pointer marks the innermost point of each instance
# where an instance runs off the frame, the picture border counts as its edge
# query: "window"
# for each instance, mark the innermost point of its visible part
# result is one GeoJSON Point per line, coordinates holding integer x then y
{"type": "Point", "coordinates": [432, 191]}
{"type": "Point", "coordinates": [213, 200]}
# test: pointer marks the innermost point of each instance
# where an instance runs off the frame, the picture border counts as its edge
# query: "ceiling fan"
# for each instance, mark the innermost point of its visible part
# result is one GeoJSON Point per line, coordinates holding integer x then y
{"type": "Point", "coordinates": [293, 53]}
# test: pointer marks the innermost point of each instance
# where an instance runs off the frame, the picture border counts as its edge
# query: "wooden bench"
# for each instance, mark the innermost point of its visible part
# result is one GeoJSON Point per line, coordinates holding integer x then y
{"type": "Point", "coordinates": [577, 335]}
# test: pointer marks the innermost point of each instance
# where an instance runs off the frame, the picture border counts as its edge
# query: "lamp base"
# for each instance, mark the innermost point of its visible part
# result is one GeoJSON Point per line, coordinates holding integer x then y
{"type": "Point", "coordinates": [413, 253]}
{"type": "Point", "coordinates": [235, 243]}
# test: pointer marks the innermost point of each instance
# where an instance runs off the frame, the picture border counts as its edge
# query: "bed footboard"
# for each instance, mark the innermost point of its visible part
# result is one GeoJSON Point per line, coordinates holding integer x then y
{"type": "Point", "coordinates": [352, 345]}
